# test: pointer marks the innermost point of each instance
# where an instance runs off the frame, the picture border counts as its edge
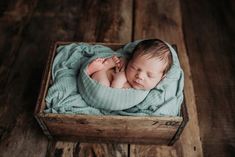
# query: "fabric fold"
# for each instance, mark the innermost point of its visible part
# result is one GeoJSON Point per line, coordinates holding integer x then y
{"type": "Point", "coordinates": [74, 92]}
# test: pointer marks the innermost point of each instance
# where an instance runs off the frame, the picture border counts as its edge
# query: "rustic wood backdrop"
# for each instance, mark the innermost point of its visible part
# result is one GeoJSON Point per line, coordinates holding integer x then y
{"type": "Point", "coordinates": [203, 31]}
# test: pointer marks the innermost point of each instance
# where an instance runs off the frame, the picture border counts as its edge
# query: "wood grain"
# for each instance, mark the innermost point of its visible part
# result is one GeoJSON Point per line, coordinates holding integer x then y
{"type": "Point", "coordinates": [162, 19]}
{"type": "Point", "coordinates": [86, 21]}
{"type": "Point", "coordinates": [61, 149]}
{"type": "Point", "coordinates": [71, 149]}
{"type": "Point", "coordinates": [23, 62]}
{"type": "Point", "coordinates": [209, 36]}
{"type": "Point", "coordinates": [153, 151]}
{"type": "Point", "coordinates": [14, 17]}
{"type": "Point", "coordinates": [18, 129]}
{"type": "Point", "coordinates": [155, 130]}
{"type": "Point", "coordinates": [102, 150]}
{"type": "Point", "coordinates": [27, 33]}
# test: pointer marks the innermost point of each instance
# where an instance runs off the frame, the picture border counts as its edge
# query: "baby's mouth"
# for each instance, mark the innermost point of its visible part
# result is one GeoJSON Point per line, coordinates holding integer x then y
{"type": "Point", "coordinates": [138, 83]}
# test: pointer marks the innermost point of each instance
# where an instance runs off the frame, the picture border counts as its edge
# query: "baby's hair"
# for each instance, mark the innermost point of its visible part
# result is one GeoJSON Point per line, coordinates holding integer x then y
{"type": "Point", "coordinates": [154, 48]}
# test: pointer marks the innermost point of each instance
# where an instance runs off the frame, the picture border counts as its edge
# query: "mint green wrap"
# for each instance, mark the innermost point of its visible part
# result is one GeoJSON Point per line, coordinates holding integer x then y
{"type": "Point", "coordinates": [102, 97]}
{"type": "Point", "coordinates": [74, 92]}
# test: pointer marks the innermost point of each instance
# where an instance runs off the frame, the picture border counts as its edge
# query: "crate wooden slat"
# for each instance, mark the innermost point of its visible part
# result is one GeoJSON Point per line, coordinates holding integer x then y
{"type": "Point", "coordinates": [116, 129]}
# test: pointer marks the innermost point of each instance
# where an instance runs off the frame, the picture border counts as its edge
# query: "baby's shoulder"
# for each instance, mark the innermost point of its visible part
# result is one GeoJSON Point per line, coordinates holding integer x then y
{"type": "Point", "coordinates": [127, 85]}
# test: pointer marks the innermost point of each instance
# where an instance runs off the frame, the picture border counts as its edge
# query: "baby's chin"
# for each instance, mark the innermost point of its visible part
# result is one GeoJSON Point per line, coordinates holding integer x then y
{"type": "Point", "coordinates": [138, 86]}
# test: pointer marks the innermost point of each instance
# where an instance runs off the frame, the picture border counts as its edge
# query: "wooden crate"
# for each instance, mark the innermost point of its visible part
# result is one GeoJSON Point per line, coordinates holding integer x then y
{"type": "Point", "coordinates": [116, 129]}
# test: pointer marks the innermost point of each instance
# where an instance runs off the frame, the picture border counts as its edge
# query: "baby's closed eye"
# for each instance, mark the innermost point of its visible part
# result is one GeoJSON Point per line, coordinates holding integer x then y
{"type": "Point", "coordinates": [134, 68]}
{"type": "Point", "coordinates": [151, 75]}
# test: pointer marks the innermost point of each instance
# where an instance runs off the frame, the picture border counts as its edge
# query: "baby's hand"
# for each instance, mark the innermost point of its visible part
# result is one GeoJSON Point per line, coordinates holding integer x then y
{"type": "Point", "coordinates": [109, 63]}
{"type": "Point", "coordinates": [120, 64]}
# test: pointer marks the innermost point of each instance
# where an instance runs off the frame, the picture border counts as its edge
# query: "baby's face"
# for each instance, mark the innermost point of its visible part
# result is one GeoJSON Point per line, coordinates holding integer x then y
{"type": "Point", "coordinates": [144, 73]}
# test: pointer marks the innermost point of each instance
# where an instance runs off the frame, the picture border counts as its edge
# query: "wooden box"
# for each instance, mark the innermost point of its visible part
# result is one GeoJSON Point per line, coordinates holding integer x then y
{"type": "Point", "coordinates": [116, 129]}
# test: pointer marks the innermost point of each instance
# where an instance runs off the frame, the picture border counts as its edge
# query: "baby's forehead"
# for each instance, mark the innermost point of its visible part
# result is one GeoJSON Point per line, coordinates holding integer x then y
{"type": "Point", "coordinates": [148, 58]}
{"type": "Point", "coordinates": [150, 64]}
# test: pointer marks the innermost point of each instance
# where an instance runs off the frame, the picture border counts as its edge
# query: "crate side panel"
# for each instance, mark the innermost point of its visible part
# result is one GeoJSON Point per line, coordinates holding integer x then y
{"type": "Point", "coordinates": [40, 106]}
{"type": "Point", "coordinates": [114, 129]}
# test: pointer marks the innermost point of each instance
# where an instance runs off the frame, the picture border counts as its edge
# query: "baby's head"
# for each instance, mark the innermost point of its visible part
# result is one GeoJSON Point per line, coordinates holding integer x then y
{"type": "Point", "coordinates": [149, 63]}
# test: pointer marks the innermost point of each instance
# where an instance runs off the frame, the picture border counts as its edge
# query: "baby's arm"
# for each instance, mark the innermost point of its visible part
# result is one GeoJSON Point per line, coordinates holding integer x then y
{"type": "Point", "coordinates": [101, 64]}
{"type": "Point", "coordinates": [95, 65]}
{"type": "Point", "coordinates": [119, 79]}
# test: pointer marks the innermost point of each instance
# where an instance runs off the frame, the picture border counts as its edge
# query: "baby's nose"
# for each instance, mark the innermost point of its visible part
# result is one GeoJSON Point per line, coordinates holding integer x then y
{"type": "Point", "coordinates": [140, 76]}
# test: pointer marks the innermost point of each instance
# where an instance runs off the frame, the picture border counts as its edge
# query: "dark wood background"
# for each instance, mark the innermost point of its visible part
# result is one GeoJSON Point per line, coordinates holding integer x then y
{"type": "Point", "coordinates": [204, 29]}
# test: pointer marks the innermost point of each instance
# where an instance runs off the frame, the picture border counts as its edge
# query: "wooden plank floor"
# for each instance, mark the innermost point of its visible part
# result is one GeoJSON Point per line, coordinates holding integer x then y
{"type": "Point", "coordinates": [203, 31]}
{"type": "Point", "coordinates": [209, 29]}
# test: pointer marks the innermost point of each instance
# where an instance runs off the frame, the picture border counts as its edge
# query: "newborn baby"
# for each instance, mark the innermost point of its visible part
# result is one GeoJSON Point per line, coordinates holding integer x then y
{"type": "Point", "coordinates": [150, 61]}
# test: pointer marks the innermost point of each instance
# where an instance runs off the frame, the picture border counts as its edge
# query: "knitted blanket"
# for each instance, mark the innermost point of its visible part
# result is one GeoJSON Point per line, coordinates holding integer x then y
{"type": "Point", "coordinates": [74, 92]}
{"type": "Point", "coordinates": [102, 97]}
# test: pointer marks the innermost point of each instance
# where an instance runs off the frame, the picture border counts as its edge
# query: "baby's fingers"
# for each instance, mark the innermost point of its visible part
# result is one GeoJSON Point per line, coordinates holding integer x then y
{"type": "Point", "coordinates": [116, 59]}
{"type": "Point", "coordinates": [117, 69]}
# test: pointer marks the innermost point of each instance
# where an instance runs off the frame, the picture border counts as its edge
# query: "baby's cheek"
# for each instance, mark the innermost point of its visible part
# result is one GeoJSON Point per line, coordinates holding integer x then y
{"type": "Point", "coordinates": [128, 73]}
{"type": "Point", "coordinates": [157, 81]}
{"type": "Point", "coordinates": [153, 83]}
{"type": "Point", "coordinates": [129, 76]}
